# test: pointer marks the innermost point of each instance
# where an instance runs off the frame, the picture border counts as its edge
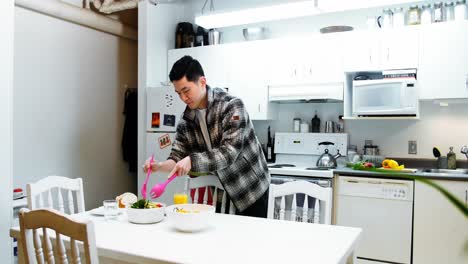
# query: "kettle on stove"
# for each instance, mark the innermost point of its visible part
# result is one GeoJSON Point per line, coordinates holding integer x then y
{"type": "Point", "coordinates": [326, 160]}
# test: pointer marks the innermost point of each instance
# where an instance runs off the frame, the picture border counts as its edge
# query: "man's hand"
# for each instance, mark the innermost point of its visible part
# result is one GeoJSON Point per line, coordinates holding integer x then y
{"type": "Point", "coordinates": [154, 166]}
{"type": "Point", "coordinates": [182, 167]}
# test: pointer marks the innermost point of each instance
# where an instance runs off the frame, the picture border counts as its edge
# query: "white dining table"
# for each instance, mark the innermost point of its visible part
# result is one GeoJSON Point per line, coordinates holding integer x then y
{"type": "Point", "coordinates": [229, 239]}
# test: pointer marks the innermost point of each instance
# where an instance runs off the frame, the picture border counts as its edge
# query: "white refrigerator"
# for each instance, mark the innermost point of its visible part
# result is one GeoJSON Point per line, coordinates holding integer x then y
{"type": "Point", "coordinates": [164, 109]}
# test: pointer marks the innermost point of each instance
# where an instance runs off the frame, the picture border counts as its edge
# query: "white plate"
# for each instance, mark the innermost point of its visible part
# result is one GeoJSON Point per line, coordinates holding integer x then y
{"type": "Point", "coordinates": [100, 211]}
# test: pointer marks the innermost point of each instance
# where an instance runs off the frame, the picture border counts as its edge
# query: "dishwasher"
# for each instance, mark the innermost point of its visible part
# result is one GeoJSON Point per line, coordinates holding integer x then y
{"type": "Point", "coordinates": [383, 208]}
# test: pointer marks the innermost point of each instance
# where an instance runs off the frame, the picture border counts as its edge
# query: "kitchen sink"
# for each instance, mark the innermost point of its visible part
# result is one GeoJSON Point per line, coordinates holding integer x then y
{"type": "Point", "coordinates": [457, 171]}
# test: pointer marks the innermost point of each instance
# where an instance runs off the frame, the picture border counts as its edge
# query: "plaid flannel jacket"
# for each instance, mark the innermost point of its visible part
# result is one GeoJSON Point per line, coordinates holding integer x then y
{"type": "Point", "coordinates": [236, 156]}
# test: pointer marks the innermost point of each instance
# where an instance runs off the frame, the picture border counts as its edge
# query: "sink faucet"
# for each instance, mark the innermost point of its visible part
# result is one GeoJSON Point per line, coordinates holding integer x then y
{"type": "Point", "coordinates": [464, 150]}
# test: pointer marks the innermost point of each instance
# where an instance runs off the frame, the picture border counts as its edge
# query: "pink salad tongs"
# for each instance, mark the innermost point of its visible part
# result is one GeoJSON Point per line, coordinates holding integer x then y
{"type": "Point", "coordinates": [158, 189]}
{"type": "Point", "coordinates": [143, 188]}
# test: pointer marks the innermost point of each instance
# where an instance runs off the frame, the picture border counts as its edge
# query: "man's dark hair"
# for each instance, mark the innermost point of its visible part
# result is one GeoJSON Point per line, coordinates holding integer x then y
{"type": "Point", "coordinates": [188, 67]}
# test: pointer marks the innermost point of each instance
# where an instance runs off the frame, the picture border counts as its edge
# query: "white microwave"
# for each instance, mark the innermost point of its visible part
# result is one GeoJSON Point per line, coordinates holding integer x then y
{"type": "Point", "coordinates": [385, 97]}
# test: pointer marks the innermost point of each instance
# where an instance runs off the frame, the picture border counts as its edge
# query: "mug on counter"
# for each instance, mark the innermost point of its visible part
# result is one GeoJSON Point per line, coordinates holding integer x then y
{"type": "Point", "coordinates": [329, 127]}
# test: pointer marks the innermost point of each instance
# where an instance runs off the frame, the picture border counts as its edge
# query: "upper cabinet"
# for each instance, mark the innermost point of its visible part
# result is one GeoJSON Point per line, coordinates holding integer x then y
{"type": "Point", "coordinates": [248, 70]}
{"type": "Point", "coordinates": [241, 68]}
{"type": "Point", "coordinates": [443, 63]}
{"type": "Point", "coordinates": [212, 58]}
{"type": "Point", "coordinates": [381, 50]}
{"type": "Point", "coordinates": [306, 60]}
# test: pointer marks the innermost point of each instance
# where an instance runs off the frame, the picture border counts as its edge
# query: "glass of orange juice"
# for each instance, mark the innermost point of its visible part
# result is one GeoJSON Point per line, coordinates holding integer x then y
{"type": "Point", "coordinates": [180, 198]}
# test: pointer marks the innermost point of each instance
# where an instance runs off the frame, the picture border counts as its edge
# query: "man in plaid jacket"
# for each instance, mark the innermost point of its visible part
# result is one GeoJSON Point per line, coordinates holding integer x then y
{"type": "Point", "coordinates": [216, 135]}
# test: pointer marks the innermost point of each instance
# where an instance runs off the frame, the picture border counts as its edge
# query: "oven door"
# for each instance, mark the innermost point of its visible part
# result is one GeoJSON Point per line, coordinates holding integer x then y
{"type": "Point", "coordinates": [280, 179]}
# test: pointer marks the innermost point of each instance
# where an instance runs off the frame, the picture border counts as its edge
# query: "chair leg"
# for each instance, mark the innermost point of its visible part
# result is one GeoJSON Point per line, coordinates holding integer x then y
{"type": "Point", "coordinates": [20, 252]}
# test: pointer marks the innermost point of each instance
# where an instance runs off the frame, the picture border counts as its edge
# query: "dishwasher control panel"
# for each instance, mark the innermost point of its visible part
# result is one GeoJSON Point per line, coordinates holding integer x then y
{"type": "Point", "coordinates": [376, 188]}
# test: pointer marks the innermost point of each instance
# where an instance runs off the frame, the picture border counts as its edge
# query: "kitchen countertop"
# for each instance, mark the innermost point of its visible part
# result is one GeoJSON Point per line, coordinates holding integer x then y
{"type": "Point", "coordinates": [428, 175]}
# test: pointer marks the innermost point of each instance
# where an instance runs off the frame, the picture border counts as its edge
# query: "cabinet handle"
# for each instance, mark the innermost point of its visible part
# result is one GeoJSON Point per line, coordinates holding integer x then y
{"type": "Point", "coordinates": [388, 54]}
{"type": "Point", "coordinates": [466, 198]}
{"type": "Point", "coordinates": [259, 108]}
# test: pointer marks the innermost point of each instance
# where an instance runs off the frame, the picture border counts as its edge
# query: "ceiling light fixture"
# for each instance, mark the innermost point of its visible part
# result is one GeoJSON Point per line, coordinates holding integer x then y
{"type": "Point", "coordinates": [258, 14]}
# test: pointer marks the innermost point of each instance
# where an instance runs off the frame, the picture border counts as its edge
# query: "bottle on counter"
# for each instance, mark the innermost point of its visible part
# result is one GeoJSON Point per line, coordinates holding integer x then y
{"type": "Point", "coordinates": [451, 159]}
{"type": "Point", "coordinates": [315, 124]}
{"type": "Point", "coordinates": [269, 156]}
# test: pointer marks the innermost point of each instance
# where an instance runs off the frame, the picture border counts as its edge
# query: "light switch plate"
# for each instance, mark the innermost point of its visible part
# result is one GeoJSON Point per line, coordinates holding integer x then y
{"type": "Point", "coordinates": [412, 147]}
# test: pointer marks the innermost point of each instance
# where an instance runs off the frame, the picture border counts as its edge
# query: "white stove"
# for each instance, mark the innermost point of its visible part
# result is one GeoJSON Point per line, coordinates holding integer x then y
{"type": "Point", "coordinates": [297, 153]}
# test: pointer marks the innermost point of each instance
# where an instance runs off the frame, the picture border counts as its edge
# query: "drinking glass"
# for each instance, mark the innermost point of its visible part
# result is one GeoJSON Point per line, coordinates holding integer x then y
{"type": "Point", "coordinates": [180, 198]}
{"type": "Point", "coordinates": [110, 209]}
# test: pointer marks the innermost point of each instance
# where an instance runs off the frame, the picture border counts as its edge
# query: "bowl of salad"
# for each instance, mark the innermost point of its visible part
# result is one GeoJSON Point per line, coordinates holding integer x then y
{"type": "Point", "coordinates": [190, 217]}
{"type": "Point", "coordinates": [145, 212]}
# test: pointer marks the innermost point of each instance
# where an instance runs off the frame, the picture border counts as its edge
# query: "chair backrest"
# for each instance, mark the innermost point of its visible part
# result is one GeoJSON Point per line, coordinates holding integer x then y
{"type": "Point", "coordinates": [41, 194]}
{"type": "Point", "coordinates": [214, 186]}
{"type": "Point", "coordinates": [315, 209]}
{"type": "Point", "coordinates": [38, 248]}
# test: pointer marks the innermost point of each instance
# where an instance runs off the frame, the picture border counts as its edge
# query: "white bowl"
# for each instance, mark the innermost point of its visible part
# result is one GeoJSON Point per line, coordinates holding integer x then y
{"type": "Point", "coordinates": [197, 217]}
{"type": "Point", "coordinates": [145, 216]}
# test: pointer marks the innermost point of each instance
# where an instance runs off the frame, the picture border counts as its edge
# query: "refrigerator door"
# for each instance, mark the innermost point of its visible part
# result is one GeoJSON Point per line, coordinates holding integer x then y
{"type": "Point", "coordinates": [164, 108]}
{"type": "Point", "coordinates": [160, 145]}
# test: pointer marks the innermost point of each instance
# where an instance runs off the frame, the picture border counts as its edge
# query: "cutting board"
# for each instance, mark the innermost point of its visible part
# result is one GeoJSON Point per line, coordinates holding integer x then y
{"type": "Point", "coordinates": [405, 170]}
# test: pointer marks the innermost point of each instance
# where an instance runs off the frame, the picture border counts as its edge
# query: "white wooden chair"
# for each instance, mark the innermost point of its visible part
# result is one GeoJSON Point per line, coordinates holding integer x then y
{"type": "Point", "coordinates": [38, 248]}
{"type": "Point", "coordinates": [210, 181]}
{"type": "Point", "coordinates": [321, 209]}
{"type": "Point", "coordinates": [41, 194]}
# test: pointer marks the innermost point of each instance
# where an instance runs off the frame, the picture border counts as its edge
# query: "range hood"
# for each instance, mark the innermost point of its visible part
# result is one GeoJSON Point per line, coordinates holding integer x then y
{"type": "Point", "coordinates": [306, 92]}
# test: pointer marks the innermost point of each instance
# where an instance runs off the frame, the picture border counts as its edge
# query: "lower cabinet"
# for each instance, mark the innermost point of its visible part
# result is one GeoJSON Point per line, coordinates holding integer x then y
{"type": "Point", "coordinates": [440, 229]}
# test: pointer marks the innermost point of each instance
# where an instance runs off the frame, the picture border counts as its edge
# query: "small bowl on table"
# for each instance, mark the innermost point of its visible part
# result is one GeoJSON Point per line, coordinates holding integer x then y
{"type": "Point", "coordinates": [146, 215]}
{"type": "Point", "coordinates": [190, 217]}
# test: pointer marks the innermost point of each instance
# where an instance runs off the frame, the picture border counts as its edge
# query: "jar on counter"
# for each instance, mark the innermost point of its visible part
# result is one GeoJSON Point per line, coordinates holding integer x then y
{"type": "Point", "coordinates": [386, 19]}
{"type": "Point", "coordinates": [296, 125]}
{"type": "Point", "coordinates": [439, 14]}
{"type": "Point", "coordinates": [413, 15]}
{"type": "Point", "coordinates": [460, 10]}
{"type": "Point", "coordinates": [449, 11]}
{"type": "Point", "coordinates": [426, 14]}
{"type": "Point", "coordinates": [398, 17]}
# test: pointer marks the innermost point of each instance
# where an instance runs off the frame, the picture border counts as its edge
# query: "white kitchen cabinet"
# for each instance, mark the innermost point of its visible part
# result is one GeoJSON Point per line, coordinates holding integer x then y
{"type": "Point", "coordinates": [399, 48]}
{"type": "Point", "coordinates": [240, 67]}
{"type": "Point", "coordinates": [440, 229]}
{"type": "Point", "coordinates": [443, 63]}
{"type": "Point", "coordinates": [249, 63]}
{"type": "Point", "coordinates": [381, 50]}
{"type": "Point", "coordinates": [212, 58]}
{"type": "Point", "coordinates": [306, 60]}
{"type": "Point", "coordinates": [361, 51]}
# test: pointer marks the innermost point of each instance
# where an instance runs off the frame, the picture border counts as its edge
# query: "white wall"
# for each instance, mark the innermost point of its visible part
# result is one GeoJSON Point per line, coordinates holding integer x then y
{"type": "Point", "coordinates": [437, 126]}
{"type": "Point", "coordinates": [69, 95]}
{"type": "Point", "coordinates": [6, 127]}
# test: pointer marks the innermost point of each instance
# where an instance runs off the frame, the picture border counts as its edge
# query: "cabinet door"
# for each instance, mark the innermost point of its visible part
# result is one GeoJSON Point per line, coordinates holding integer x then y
{"type": "Point", "coordinates": [284, 63]}
{"type": "Point", "coordinates": [361, 51]}
{"type": "Point", "coordinates": [326, 58]}
{"type": "Point", "coordinates": [443, 61]}
{"type": "Point", "coordinates": [212, 60]}
{"type": "Point", "coordinates": [440, 229]}
{"type": "Point", "coordinates": [399, 48]}
{"type": "Point", "coordinates": [248, 78]}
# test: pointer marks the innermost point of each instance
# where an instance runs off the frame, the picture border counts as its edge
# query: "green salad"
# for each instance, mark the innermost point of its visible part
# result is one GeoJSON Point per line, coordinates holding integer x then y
{"type": "Point", "coordinates": [145, 204]}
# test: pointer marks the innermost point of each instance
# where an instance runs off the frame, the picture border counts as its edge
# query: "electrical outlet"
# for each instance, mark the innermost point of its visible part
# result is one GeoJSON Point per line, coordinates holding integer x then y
{"type": "Point", "coordinates": [412, 147]}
